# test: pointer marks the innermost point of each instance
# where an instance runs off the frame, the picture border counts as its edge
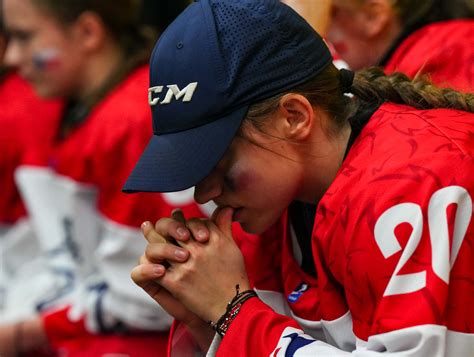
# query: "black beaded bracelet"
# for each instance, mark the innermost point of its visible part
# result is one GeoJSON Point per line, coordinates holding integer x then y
{"type": "Point", "coordinates": [232, 309]}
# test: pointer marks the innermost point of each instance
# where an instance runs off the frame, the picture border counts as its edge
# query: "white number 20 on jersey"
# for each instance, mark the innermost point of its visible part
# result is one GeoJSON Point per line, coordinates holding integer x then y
{"type": "Point", "coordinates": [442, 257]}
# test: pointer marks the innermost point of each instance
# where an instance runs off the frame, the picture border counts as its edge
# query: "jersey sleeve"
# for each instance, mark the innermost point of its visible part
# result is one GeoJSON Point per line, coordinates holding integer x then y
{"type": "Point", "coordinates": [262, 332]}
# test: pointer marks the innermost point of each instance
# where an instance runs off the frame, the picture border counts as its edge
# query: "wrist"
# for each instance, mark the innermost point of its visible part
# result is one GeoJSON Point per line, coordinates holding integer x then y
{"type": "Point", "coordinates": [18, 339]}
{"type": "Point", "coordinates": [220, 308]}
{"type": "Point", "coordinates": [30, 335]}
{"type": "Point", "coordinates": [233, 308]}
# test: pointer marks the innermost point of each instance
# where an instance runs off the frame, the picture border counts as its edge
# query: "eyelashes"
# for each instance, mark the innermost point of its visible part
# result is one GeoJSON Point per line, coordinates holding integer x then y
{"type": "Point", "coordinates": [229, 183]}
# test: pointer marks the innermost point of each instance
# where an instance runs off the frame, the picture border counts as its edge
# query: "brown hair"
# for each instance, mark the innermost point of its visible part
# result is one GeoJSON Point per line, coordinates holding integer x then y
{"type": "Point", "coordinates": [371, 87]}
{"type": "Point", "coordinates": [416, 13]}
{"type": "Point", "coordinates": [412, 12]}
{"type": "Point", "coordinates": [121, 19]}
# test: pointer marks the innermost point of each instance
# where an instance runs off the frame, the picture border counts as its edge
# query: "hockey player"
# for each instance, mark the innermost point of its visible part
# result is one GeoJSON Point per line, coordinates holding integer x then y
{"type": "Point", "coordinates": [261, 120]}
{"type": "Point", "coordinates": [411, 36]}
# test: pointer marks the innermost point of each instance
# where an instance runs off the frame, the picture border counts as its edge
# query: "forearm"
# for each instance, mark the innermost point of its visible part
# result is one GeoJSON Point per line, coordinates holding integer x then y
{"type": "Point", "coordinates": [31, 335]}
{"type": "Point", "coordinates": [22, 337]}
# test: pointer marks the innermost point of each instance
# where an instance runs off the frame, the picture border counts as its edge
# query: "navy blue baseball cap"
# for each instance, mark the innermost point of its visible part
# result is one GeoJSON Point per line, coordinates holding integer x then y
{"type": "Point", "coordinates": [215, 60]}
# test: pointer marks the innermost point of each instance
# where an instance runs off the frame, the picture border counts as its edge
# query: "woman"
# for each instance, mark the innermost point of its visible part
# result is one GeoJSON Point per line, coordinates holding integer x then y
{"type": "Point", "coordinates": [411, 36]}
{"type": "Point", "coordinates": [259, 120]}
{"type": "Point", "coordinates": [93, 56]}
{"type": "Point", "coordinates": [17, 101]}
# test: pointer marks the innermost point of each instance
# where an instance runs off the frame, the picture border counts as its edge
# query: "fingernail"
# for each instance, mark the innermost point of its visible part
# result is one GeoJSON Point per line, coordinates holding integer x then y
{"type": "Point", "coordinates": [158, 270]}
{"type": "Point", "coordinates": [181, 254]}
{"type": "Point", "coordinates": [182, 231]}
{"type": "Point", "coordinates": [144, 224]}
{"type": "Point", "coordinates": [202, 233]}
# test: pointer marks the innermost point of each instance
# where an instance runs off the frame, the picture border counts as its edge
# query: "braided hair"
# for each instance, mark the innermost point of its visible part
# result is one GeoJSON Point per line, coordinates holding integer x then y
{"type": "Point", "coordinates": [370, 88]}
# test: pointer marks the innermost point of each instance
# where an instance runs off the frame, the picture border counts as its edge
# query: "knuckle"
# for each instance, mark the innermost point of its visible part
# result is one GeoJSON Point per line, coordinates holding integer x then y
{"type": "Point", "coordinates": [162, 223]}
{"type": "Point", "coordinates": [148, 251]}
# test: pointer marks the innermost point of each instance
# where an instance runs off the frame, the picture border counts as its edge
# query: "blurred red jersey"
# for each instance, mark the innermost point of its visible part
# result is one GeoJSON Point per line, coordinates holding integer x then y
{"type": "Point", "coordinates": [443, 50]}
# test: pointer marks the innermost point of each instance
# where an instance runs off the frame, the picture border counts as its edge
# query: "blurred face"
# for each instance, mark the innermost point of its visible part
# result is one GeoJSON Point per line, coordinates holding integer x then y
{"type": "Point", "coordinates": [44, 51]}
{"type": "Point", "coordinates": [362, 31]}
{"type": "Point", "coordinates": [256, 181]}
{"type": "Point", "coordinates": [346, 33]}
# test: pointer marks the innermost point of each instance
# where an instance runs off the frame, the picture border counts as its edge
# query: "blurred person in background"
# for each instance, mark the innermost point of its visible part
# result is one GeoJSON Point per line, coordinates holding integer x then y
{"type": "Point", "coordinates": [432, 37]}
{"type": "Point", "coordinates": [317, 14]}
{"type": "Point", "coordinates": [21, 112]}
{"type": "Point", "coordinates": [91, 55]}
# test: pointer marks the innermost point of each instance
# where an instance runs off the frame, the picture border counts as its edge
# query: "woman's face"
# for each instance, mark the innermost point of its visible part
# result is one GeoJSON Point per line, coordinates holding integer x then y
{"type": "Point", "coordinates": [43, 50]}
{"type": "Point", "coordinates": [346, 33]}
{"type": "Point", "coordinates": [362, 31]}
{"type": "Point", "coordinates": [253, 178]}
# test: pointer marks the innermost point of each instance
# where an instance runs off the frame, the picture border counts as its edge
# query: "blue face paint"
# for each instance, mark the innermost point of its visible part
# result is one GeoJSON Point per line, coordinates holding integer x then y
{"type": "Point", "coordinates": [46, 59]}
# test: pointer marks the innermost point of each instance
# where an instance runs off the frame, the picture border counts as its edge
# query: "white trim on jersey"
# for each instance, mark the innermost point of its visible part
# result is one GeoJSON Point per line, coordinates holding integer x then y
{"type": "Point", "coordinates": [89, 257]}
{"type": "Point", "coordinates": [23, 273]}
{"type": "Point", "coordinates": [277, 301]}
{"type": "Point", "coordinates": [109, 296]}
{"type": "Point", "coordinates": [418, 341]}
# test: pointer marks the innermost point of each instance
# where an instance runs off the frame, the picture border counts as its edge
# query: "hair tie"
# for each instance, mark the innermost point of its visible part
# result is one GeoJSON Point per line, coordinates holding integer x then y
{"type": "Point", "coordinates": [347, 78]}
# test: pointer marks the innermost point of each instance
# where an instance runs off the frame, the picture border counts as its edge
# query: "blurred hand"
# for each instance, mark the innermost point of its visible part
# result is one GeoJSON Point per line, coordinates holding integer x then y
{"type": "Point", "coordinates": [8, 345]}
{"type": "Point", "coordinates": [22, 337]}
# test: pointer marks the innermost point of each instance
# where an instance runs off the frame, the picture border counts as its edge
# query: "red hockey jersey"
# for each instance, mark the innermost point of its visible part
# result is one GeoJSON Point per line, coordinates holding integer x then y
{"type": "Point", "coordinates": [392, 243]}
{"type": "Point", "coordinates": [21, 112]}
{"type": "Point", "coordinates": [444, 50]}
{"type": "Point", "coordinates": [89, 230]}
{"type": "Point", "coordinates": [22, 115]}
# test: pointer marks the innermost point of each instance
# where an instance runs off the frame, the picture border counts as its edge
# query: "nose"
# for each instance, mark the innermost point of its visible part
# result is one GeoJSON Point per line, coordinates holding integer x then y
{"type": "Point", "coordinates": [12, 56]}
{"type": "Point", "coordinates": [208, 189]}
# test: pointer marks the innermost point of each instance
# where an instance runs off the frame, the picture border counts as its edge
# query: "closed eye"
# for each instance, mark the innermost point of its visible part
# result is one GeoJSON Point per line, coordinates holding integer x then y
{"type": "Point", "coordinates": [229, 183]}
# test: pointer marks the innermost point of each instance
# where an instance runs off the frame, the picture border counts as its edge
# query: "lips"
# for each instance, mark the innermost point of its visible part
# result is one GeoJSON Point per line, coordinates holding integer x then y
{"type": "Point", "coordinates": [237, 214]}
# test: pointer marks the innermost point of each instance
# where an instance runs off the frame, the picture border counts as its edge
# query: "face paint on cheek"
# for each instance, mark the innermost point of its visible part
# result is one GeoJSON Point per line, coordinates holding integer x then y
{"type": "Point", "coordinates": [46, 59]}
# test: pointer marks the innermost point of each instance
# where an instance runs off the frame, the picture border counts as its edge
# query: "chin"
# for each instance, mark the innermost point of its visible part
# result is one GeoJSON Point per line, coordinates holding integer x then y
{"type": "Point", "coordinates": [249, 228]}
{"type": "Point", "coordinates": [256, 226]}
{"type": "Point", "coordinates": [45, 92]}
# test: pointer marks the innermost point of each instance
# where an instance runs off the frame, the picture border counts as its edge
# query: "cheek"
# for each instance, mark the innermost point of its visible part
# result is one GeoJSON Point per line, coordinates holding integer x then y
{"type": "Point", "coordinates": [243, 179]}
{"type": "Point", "coordinates": [47, 59]}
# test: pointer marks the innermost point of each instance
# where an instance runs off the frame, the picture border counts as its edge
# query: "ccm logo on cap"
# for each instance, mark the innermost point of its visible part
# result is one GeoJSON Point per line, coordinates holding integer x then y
{"type": "Point", "coordinates": [173, 91]}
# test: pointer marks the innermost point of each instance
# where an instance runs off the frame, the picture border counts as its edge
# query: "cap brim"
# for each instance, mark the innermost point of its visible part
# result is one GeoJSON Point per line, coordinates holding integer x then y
{"type": "Point", "coordinates": [176, 161]}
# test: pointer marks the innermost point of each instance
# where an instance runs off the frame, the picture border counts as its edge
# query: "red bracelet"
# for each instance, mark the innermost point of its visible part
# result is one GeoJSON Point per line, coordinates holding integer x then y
{"type": "Point", "coordinates": [233, 308]}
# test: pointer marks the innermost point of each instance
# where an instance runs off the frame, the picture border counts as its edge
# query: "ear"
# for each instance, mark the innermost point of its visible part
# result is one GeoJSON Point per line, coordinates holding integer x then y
{"type": "Point", "coordinates": [296, 117]}
{"type": "Point", "coordinates": [377, 16]}
{"type": "Point", "coordinates": [90, 31]}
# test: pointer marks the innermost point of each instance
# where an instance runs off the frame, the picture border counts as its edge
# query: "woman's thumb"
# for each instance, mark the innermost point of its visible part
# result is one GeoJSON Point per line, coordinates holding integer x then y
{"type": "Point", "coordinates": [223, 220]}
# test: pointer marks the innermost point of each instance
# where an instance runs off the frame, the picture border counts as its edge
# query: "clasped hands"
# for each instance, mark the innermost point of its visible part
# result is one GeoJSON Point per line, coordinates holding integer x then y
{"type": "Point", "coordinates": [191, 267]}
